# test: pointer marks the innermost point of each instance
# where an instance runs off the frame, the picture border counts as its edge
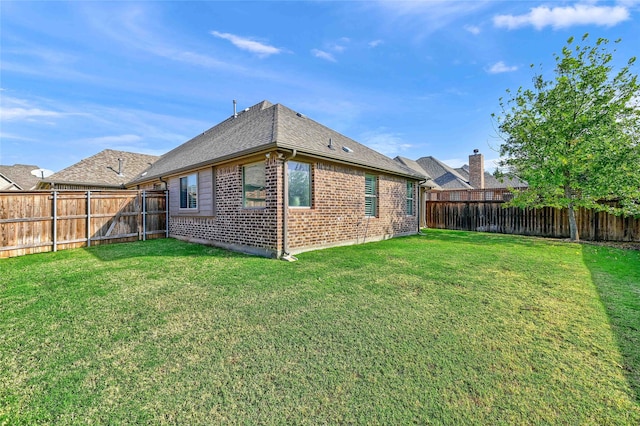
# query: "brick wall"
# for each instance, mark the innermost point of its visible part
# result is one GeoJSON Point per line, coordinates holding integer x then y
{"type": "Point", "coordinates": [221, 219]}
{"type": "Point", "coordinates": [337, 216]}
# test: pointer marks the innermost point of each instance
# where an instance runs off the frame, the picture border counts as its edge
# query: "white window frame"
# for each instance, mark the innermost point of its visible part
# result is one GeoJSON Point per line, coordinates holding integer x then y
{"type": "Point", "coordinates": [371, 195]}
{"type": "Point", "coordinates": [410, 198]}
{"type": "Point", "coordinates": [188, 185]}
{"type": "Point", "coordinates": [291, 202]}
{"type": "Point", "coordinates": [244, 192]}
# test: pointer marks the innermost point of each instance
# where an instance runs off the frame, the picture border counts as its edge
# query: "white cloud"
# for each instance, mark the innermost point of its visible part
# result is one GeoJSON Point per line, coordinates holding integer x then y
{"type": "Point", "coordinates": [500, 67]}
{"type": "Point", "coordinates": [428, 16]}
{"type": "Point", "coordinates": [473, 29]}
{"type": "Point", "coordinates": [456, 163]}
{"type": "Point", "coordinates": [26, 113]}
{"type": "Point", "coordinates": [389, 144]}
{"type": "Point", "coordinates": [375, 43]}
{"type": "Point", "coordinates": [564, 17]}
{"type": "Point", "coordinates": [323, 55]}
{"type": "Point", "coordinates": [248, 44]}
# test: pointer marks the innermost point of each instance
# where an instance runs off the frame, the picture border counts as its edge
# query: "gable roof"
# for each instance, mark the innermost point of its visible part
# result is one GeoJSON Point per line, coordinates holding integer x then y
{"type": "Point", "coordinates": [444, 176]}
{"type": "Point", "coordinates": [102, 169]}
{"type": "Point", "coordinates": [267, 126]}
{"type": "Point", "coordinates": [18, 177]}
{"type": "Point", "coordinates": [412, 164]}
{"type": "Point", "coordinates": [491, 182]}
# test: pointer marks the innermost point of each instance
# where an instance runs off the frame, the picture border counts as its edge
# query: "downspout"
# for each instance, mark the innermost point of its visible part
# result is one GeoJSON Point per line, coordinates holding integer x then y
{"type": "Point", "coordinates": [285, 210]}
{"type": "Point", "coordinates": [421, 199]}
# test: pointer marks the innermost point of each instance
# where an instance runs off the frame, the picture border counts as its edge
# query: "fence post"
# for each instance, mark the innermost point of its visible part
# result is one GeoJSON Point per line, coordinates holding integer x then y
{"type": "Point", "coordinates": [88, 218]}
{"type": "Point", "coordinates": [144, 215]}
{"type": "Point", "coordinates": [54, 219]}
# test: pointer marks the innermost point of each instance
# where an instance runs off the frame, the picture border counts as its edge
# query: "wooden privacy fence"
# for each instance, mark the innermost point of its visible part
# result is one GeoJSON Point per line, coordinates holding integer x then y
{"type": "Point", "coordinates": [482, 210]}
{"type": "Point", "coordinates": [40, 221]}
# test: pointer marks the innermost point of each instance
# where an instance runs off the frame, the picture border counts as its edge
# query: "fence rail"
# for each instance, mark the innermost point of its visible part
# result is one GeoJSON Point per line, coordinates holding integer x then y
{"type": "Point", "coordinates": [40, 221]}
{"type": "Point", "coordinates": [474, 211]}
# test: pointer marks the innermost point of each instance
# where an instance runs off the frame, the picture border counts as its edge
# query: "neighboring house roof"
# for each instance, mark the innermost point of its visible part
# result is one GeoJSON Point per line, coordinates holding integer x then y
{"type": "Point", "coordinates": [267, 126]}
{"type": "Point", "coordinates": [103, 169]}
{"type": "Point", "coordinates": [18, 177]}
{"type": "Point", "coordinates": [412, 164]}
{"type": "Point", "coordinates": [444, 176]}
{"type": "Point", "coordinates": [491, 182]}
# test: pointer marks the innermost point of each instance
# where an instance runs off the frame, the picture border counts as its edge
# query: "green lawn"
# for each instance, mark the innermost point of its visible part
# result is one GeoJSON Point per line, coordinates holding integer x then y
{"type": "Point", "coordinates": [444, 328]}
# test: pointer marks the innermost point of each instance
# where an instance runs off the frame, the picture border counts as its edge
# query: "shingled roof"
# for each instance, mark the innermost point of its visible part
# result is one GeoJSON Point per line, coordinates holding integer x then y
{"type": "Point", "coordinates": [103, 169]}
{"type": "Point", "coordinates": [18, 177]}
{"type": "Point", "coordinates": [267, 126]}
{"type": "Point", "coordinates": [491, 182]}
{"type": "Point", "coordinates": [444, 176]}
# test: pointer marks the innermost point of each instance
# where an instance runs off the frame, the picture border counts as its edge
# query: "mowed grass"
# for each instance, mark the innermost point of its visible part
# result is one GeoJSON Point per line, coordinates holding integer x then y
{"type": "Point", "coordinates": [443, 328]}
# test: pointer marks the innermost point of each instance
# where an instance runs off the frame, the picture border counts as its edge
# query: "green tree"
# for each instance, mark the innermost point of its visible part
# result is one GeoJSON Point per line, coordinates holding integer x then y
{"type": "Point", "coordinates": [575, 139]}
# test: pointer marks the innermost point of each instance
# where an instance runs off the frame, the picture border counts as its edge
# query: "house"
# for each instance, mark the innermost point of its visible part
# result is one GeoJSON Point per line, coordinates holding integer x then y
{"type": "Point", "coordinates": [18, 177]}
{"type": "Point", "coordinates": [108, 169]}
{"type": "Point", "coordinates": [273, 182]}
{"type": "Point", "coordinates": [441, 177]}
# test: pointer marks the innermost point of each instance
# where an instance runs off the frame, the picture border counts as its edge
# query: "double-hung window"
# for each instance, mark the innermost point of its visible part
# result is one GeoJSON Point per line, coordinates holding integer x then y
{"type": "Point", "coordinates": [299, 184]}
{"type": "Point", "coordinates": [189, 192]}
{"type": "Point", "coordinates": [370, 195]}
{"type": "Point", "coordinates": [254, 194]}
{"type": "Point", "coordinates": [409, 198]}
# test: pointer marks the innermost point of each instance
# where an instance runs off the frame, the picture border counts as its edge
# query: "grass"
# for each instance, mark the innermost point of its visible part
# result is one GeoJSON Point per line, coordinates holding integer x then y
{"type": "Point", "coordinates": [446, 328]}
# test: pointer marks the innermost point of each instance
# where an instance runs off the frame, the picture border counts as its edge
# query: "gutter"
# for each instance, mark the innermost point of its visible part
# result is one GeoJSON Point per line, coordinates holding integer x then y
{"type": "Point", "coordinates": [420, 202]}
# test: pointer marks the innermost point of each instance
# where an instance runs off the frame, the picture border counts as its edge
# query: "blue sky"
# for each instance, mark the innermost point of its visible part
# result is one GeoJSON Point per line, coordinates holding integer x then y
{"type": "Point", "coordinates": [411, 78]}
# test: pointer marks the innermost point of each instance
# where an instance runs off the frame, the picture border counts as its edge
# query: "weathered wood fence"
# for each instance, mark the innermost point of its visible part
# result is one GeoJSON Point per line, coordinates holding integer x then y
{"type": "Point", "coordinates": [482, 210]}
{"type": "Point", "coordinates": [40, 221]}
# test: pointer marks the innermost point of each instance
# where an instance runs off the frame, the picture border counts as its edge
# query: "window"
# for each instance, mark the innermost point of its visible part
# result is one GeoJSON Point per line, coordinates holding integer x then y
{"type": "Point", "coordinates": [189, 192]}
{"type": "Point", "coordinates": [299, 184]}
{"type": "Point", "coordinates": [370, 195]}
{"type": "Point", "coordinates": [253, 187]}
{"type": "Point", "coordinates": [409, 198]}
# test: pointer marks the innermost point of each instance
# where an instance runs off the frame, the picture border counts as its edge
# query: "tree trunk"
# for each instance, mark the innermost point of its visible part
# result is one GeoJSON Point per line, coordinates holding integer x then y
{"type": "Point", "coordinates": [573, 225]}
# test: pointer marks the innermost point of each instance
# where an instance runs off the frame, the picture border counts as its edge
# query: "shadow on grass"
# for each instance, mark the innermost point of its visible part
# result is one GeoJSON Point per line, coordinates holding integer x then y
{"type": "Point", "coordinates": [487, 238]}
{"type": "Point", "coordinates": [162, 247]}
{"type": "Point", "coordinates": [616, 274]}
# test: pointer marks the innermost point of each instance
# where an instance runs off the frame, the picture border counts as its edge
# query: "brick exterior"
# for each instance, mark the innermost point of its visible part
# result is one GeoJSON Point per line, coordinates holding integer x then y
{"type": "Point", "coordinates": [476, 171]}
{"type": "Point", "coordinates": [336, 216]}
{"type": "Point", "coordinates": [225, 222]}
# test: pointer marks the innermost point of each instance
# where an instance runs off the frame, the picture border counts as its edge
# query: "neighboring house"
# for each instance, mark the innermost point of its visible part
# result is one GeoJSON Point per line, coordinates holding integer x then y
{"type": "Point", "coordinates": [487, 181]}
{"type": "Point", "coordinates": [441, 177]}
{"type": "Point", "coordinates": [272, 182]}
{"type": "Point", "coordinates": [107, 169]}
{"type": "Point", "coordinates": [18, 177]}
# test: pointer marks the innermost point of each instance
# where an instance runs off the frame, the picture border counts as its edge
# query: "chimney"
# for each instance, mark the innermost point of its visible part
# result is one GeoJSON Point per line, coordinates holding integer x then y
{"type": "Point", "coordinates": [476, 170]}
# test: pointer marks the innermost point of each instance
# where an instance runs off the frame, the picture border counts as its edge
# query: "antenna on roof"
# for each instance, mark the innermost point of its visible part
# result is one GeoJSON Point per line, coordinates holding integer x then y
{"type": "Point", "coordinates": [235, 110]}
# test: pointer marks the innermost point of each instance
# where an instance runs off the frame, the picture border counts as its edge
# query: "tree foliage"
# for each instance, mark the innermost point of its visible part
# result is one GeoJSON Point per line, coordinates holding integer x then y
{"type": "Point", "coordinates": [575, 139]}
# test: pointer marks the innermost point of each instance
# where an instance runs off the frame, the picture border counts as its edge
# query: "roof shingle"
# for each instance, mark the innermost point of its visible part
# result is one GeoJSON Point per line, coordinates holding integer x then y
{"type": "Point", "coordinates": [268, 126]}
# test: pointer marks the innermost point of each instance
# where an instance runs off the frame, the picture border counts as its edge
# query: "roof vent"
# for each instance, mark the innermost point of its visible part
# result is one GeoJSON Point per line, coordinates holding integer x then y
{"type": "Point", "coordinates": [300, 115]}
{"type": "Point", "coordinates": [331, 144]}
{"type": "Point", "coordinates": [347, 149]}
{"type": "Point", "coordinates": [235, 109]}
